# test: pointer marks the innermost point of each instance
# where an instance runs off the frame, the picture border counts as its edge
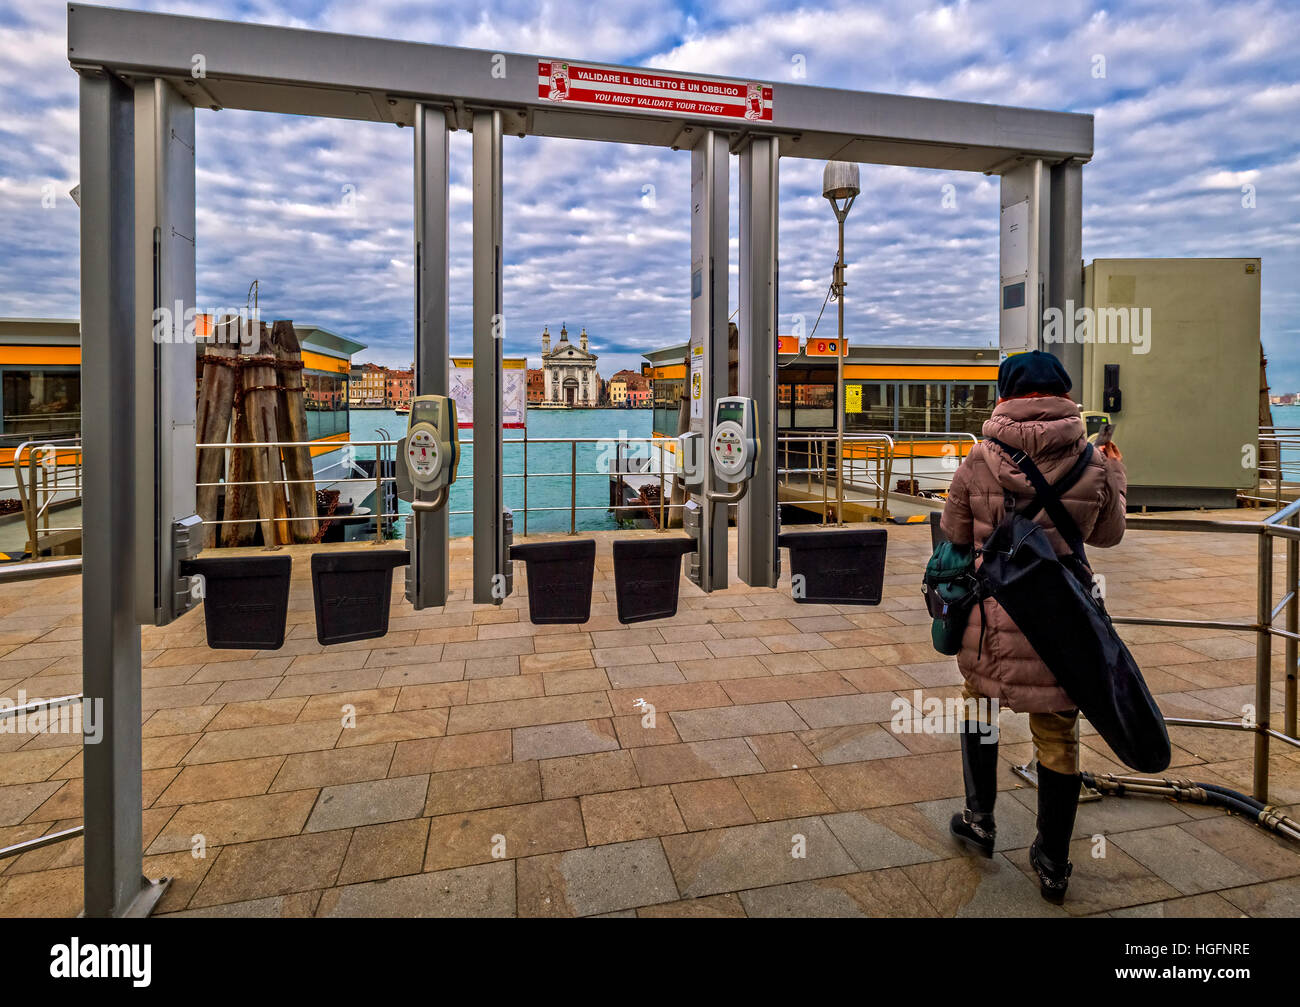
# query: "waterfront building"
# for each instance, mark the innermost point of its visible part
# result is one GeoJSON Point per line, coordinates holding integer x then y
{"type": "Point", "coordinates": [399, 386]}
{"type": "Point", "coordinates": [569, 372]}
{"type": "Point", "coordinates": [370, 391]}
{"type": "Point", "coordinates": [536, 386]}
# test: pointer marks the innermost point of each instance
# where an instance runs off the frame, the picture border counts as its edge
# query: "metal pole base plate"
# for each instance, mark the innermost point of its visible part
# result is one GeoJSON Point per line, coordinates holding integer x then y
{"type": "Point", "coordinates": [145, 900]}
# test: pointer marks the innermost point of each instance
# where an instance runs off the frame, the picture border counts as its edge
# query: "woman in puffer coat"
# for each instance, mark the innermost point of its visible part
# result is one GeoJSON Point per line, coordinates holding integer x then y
{"type": "Point", "coordinates": [1035, 414]}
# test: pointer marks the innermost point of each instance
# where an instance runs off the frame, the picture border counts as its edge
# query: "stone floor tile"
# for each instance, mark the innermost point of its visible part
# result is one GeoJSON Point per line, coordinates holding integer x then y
{"type": "Point", "coordinates": [595, 880]}
{"type": "Point", "coordinates": [333, 767]}
{"type": "Point", "coordinates": [217, 781]}
{"type": "Point", "coordinates": [1273, 898]}
{"type": "Point", "coordinates": [790, 794]}
{"type": "Point", "coordinates": [699, 760]}
{"type": "Point", "coordinates": [1210, 905]}
{"type": "Point", "coordinates": [385, 851]}
{"type": "Point", "coordinates": [551, 741]}
{"type": "Point", "coordinates": [523, 830]}
{"type": "Point", "coordinates": [623, 815]}
{"type": "Point", "coordinates": [736, 721]}
{"type": "Point", "coordinates": [483, 787]}
{"type": "Point", "coordinates": [272, 867]}
{"type": "Point", "coordinates": [369, 803]}
{"type": "Point", "coordinates": [528, 712]}
{"type": "Point", "coordinates": [256, 742]}
{"type": "Point", "coordinates": [884, 893]}
{"type": "Point", "coordinates": [779, 752]}
{"type": "Point", "coordinates": [972, 886]}
{"type": "Point", "coordinates": [239, 820]}
{"type": "Point", "coordinates": [1100, 884]}
{"type": "Point", "coordinates": [711, 804]}
{"type": "Point", "coordinates": [575, 775]}
{"type": "Point", "coordinates": [484, 890]}
{"type": "Point", "coordinates": [834, 711]}
{"type": "Point", "coordinates": [404, 726]}
{"type": "Point", "coordinates": [711, 907]}
{"type": "Point", "coordinates": [852, 743]}
{"type": "Point", "coordinates": [754, 856]}
{"type": "Point", "coordinates": [1184, 861]}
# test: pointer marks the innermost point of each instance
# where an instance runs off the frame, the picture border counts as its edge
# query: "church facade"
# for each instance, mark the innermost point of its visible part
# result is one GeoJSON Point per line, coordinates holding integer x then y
{"type": "Point", "coordinates": [569, 372]}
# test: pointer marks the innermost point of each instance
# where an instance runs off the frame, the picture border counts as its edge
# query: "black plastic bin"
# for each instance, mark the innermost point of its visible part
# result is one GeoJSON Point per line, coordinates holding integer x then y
{"type": "Point", "coordinates": [559, 579]}
{"type": "Point", "coordinates": [245, 600]}
{"type": "Point", "coordinates": [841, 567]}
{"type": "Point", "coordinates": [647, 574]}
{"type": "Point", "coordinates": [353, 591]}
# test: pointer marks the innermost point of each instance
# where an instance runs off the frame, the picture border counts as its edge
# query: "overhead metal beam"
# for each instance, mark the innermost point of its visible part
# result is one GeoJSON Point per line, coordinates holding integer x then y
{"type": "Point", "coordinates": [428, 571]}
{"type": "Point", "coordinates": [757, 559]}
{"type": "Point", "coordinates": [275, 69]}
{"type": "Point", "coordinates": [489, 541]}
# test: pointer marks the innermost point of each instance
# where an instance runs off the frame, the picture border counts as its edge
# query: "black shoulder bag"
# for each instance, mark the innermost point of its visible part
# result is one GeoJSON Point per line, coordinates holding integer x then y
{"type": "Point", "coordinates": [1052, 601]}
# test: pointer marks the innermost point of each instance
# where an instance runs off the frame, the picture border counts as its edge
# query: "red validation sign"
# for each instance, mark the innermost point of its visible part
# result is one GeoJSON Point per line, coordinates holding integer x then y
{"type": "Point", "coordinates": [651, 91]}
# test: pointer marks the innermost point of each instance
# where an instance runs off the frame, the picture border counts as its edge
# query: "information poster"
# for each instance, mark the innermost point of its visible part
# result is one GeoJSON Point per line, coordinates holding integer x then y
{"type": "Point", "coordinates": [514, 391]}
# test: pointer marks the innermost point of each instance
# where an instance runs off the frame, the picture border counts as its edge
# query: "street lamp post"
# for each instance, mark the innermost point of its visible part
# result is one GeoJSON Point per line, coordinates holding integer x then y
{"type": "Point", "coordinates": [840, 186]}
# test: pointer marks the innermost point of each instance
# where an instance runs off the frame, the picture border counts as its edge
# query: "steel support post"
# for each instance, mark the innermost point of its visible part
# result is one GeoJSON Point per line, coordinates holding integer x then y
{"type": "Point", "coordinates": [429, 562]}
{"type": "Point", "coordinates": [114, 881]}
{"type": "Point", "coordinates": [1263, 666]}
{"type": "Point", "coordinates": [489, 333]}
{"type": "Point", "coordinates": [758, 559]}
{"type": "Point", "coordinates": [1065, 264]}
{"type": "Point", "coordinates": [709, 358]}
{"type": "Point", "coordinates": [1023, 244]}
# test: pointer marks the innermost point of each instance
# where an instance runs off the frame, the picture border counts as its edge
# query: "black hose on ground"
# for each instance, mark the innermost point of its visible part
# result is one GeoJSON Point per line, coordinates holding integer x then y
{"type": "Point", "coordinates": [1263, 815]}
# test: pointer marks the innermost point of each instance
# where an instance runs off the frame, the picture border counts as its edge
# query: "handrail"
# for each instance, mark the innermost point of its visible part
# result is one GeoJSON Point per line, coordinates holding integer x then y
{"type": "Point", "coordinates": [12, 573]}
{"type": "Point", "coordinates": [1284, 524]}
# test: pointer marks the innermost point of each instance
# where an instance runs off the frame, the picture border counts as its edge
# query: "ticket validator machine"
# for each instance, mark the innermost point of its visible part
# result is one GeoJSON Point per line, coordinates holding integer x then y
{"type": "Point", "coordinates": [732, 450]}
{"type": "Point", "coordinates": [428, 457]}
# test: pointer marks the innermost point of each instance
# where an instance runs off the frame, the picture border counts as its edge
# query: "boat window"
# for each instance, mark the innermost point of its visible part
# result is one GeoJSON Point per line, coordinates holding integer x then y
{"type": "Point", "coordinates": [326, 399]}
{"type": "Point", "coordinates": [668, 394]}
{"type": "Point", "coordinates": [813, 406]}
{"type": "Point", "coordinates": [923, 407]}
{"type": "Point", "coordinates": [41, 403]}
{"type": "Point", "coordinates": [870, 409]}
{"type": "Point", "coordinates": [972, 404]}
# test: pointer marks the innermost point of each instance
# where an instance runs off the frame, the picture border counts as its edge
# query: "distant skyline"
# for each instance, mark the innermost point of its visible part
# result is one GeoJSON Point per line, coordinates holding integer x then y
{"type": "Point", "coordinates": [1197, 154]}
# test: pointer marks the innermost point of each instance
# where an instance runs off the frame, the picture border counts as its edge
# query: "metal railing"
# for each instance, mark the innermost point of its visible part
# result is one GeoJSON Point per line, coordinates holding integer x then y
{"type": "Point", "coordinates": [53, 476]}
{"type": "Point", "coordinates": [868, 460]}
{"type": "Point", "coordinates": [1275, 467]}
{"type": "Point", "coordinates": [1283, 524]}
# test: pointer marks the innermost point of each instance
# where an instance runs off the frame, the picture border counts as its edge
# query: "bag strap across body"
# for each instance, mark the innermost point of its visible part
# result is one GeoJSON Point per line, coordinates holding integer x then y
{"type": "Point", "coordinates": [1048, 497]}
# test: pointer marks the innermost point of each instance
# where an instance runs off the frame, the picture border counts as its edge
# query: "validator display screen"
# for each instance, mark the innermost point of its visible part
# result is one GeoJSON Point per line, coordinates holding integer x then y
{"type": "Point", "coordinates": [733, 411]}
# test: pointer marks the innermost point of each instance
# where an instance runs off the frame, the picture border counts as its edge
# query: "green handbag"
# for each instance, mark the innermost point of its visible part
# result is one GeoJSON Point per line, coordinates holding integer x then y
{"type": "Point", "coordinates": [950, 591]}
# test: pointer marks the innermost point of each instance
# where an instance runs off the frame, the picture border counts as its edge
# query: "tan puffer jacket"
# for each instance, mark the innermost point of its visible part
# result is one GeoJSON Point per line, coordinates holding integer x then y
{"type": "Point", "coordinates": [1050, 429]}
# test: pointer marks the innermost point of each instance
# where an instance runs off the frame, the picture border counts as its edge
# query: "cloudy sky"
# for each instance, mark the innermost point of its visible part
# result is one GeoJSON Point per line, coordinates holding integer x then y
{"type": "Point", "coordinates": [1197, 105]}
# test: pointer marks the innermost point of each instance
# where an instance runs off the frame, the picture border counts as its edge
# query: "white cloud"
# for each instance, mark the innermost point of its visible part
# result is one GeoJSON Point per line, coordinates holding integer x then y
{"type": "Point", "coordinates": [1197, 100]}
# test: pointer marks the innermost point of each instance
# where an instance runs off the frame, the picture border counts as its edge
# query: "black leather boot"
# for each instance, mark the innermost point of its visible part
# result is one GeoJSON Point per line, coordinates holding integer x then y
{"type": "Point", "coordinates": [979, 763]}
{"type": "Point", "coordinates": [1058, 801]}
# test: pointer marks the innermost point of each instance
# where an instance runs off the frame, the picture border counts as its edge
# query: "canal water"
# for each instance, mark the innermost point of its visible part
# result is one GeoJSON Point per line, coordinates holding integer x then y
{"type": "Point", "coordinates": [549, 465]}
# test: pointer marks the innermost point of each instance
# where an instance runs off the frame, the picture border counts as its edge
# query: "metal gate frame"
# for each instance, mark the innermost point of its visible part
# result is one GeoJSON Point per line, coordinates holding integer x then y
{"type": "Point", "coordinates": [186, 62]}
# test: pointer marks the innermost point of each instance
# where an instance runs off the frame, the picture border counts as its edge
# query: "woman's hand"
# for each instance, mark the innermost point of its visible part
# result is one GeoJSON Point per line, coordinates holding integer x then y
{"type": "Point", "coordinates": [1111, 450]}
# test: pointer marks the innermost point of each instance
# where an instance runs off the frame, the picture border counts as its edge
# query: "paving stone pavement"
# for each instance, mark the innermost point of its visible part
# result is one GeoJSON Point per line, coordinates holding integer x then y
{"type": "Point", "coordinates": [737, 759]}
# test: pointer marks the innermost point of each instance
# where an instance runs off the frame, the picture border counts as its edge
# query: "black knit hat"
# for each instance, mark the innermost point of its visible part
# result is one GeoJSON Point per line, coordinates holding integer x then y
{"type": "Point", "coordinates": [1035, 371]}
